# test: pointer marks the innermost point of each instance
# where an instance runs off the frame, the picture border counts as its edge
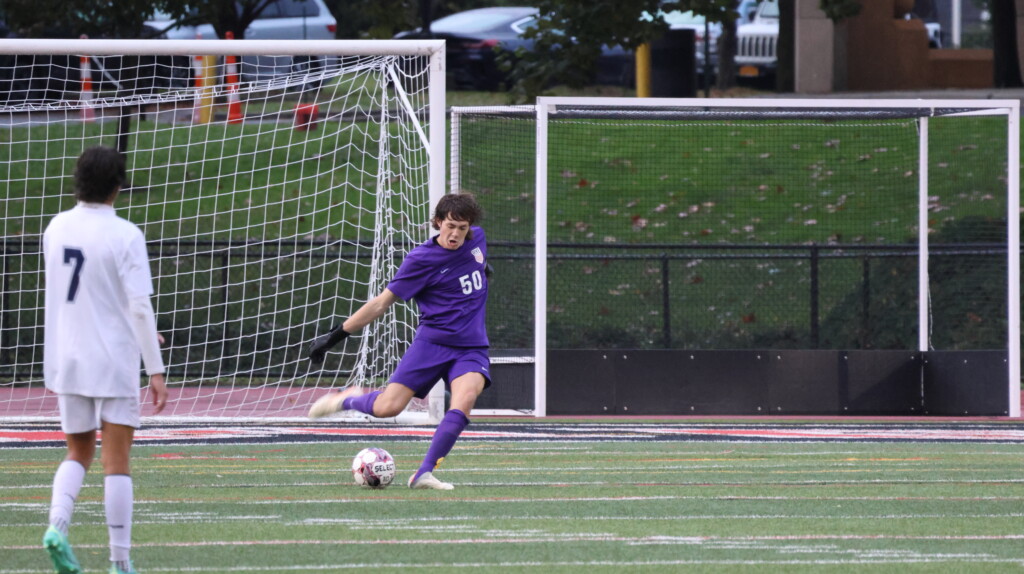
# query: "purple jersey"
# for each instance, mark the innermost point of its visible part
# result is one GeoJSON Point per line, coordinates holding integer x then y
{"type": "Point", "coordinates": [450, 288]}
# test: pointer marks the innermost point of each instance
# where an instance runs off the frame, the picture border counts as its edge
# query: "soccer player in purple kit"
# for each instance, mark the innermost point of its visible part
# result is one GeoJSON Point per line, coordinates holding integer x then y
{"type": "Point", "coordinates": [447, 276]}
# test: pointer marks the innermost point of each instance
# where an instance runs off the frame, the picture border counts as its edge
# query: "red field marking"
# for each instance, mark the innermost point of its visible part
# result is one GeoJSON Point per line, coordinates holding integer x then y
{"type": "Point", "coordinates": [281, 400]}
{"type": "Point", "coordinates": [1013, 433]}
{"type": "Point", "coordinates": [861, 434]}
{"type": "Point", "coordinates": [30, 436]}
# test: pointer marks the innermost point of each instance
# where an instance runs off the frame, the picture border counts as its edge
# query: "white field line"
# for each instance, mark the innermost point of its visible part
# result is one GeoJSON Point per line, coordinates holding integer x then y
{"type": "Point", "coordinates": [378, 565]}
{"type": "Point", "coordinates": [144, 516]}
{"type": "Point", "coordinates": [565, 433]}
{"type": "Point", "coordinates": [665, 463]}
{"type": "Point", "coordinates": [675, 480]}
{"type": "Point", "coordinates": [548, 538]}
{"type": "Point", "coordinates": [380, 497]}
{"type": "Point", "coordinates": [469, 523]}
{"type": "Point", "coordinates": [647, 483]}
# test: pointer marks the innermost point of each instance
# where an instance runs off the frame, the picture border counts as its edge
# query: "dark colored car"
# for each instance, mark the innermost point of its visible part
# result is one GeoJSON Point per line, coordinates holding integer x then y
{"type": "Point", "coordinates": [473, 37]}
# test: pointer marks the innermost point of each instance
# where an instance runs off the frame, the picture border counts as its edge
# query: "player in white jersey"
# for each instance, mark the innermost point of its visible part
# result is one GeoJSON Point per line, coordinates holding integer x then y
{"type": "Point", "coordinates": [99, 321]}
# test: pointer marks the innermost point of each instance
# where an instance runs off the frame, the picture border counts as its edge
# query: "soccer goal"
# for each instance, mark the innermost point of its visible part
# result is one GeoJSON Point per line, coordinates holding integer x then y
{"type": "Point", "coordinates": [687, 227]}
{"type": "Point", "coordinates": [274, 203]}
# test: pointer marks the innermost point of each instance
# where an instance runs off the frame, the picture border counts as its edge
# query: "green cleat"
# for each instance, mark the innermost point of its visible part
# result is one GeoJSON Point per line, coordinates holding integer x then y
{"type": "Point", "coordinates": [56, 545]}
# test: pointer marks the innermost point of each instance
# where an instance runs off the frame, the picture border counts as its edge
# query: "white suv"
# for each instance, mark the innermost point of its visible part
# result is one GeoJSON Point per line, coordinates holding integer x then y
{"type": "Point", "coordinates": [756, 42]}
{"type": "Point", "coordinates": [280, 20]}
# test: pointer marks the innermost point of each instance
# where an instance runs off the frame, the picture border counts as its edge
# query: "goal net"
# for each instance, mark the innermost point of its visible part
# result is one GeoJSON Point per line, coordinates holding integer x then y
{"type": "Point", "coordinates": [274, 199]}
{"type": "Point", "coordinates": [711, 224]}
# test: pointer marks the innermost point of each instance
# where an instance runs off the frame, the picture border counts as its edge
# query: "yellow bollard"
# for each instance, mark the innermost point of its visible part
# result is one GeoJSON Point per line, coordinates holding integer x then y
{"type": "Point", "coordinates": [206, 97]}
{"type": "Point", "coordinates": [643, 71]}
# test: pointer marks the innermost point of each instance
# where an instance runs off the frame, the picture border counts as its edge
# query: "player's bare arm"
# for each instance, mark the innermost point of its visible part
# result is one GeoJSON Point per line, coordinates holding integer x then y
{"type": "Point", "coordinates": [368, 313]}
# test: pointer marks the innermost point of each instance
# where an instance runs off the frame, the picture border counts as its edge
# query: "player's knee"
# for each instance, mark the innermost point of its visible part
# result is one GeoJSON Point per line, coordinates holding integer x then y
{"type": "Point", "coordinates": [464, 398]}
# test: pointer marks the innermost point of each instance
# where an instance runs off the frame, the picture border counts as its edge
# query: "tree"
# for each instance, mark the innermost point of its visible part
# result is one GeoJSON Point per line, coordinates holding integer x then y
{"type": "Point", "coordinates": [727, 47]}
{"type": "Point", "coordinates": [384, 18]}
{"type": "Point", "coordinates": [570, 33]}
{"type": "Point", "coordinates": [726, 13]}
{"type": "Point", "coordinates": [379, 19]}
{"type": "Point", "coordinates": [71, 18]}
{"type": "Point", "coordinates": [568, 39]}
{"type": "Point", "coordinates": [225, 16]}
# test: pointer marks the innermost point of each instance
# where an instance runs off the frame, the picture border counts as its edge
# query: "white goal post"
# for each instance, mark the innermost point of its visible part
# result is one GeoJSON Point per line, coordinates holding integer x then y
{"type": "Point", "coordinates": [275, 200]}
{"type": "Point", "coordinates": [594, 152]}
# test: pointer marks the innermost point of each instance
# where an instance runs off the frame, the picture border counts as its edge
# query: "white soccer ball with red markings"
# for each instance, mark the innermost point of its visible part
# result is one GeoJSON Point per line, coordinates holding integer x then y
{"type": "Point", "coordinates": [373, 467]}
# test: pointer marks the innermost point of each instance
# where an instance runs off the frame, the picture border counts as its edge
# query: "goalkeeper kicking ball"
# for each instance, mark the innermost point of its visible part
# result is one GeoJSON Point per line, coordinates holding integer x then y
{"type": "Point", "coordinates": [373, 467]}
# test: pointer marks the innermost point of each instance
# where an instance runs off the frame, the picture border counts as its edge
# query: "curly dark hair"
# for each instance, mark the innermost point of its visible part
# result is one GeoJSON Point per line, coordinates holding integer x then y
{"type": "Point", "coordinates": [459, 207]}
{"type": "Point", "coordinates": [99, 174]}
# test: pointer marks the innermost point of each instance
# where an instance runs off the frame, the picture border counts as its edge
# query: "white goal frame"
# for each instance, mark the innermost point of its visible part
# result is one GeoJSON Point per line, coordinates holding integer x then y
{"type": "Point", "coordinates": [1009, 108]}
{"type": "Point", "coordinates": [433, 139]}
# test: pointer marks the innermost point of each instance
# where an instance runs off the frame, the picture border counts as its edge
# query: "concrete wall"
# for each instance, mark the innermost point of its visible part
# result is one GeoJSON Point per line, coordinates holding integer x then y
{"type": "Point", "coordinates": [884, 52]}
{"type": "Point", "coordinates": [815, 70]}
{"type": "Point", "coordinates": [878, 50]}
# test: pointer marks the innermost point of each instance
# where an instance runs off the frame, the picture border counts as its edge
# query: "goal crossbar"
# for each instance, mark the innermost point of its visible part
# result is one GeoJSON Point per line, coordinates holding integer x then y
{"type": "Point", "coordinates": [104, 47]}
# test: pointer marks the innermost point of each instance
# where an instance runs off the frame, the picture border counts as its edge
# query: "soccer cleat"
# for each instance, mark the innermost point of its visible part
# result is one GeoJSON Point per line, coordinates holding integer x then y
{"type": "Point", "coordinates": [115, 569]}
{"type": "Point", "coordinates": [56, 544]}
{"type": "Point", "coordinates": [333, 402]}
{"type": "Point", "coordinates": [428, 481]}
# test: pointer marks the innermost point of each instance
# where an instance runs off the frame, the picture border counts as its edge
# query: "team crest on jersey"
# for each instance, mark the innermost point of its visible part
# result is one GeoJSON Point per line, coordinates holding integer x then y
{"type": "Point", "coordinates": [478, 255]}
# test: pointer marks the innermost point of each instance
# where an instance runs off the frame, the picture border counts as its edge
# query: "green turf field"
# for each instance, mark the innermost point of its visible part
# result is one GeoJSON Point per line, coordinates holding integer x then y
{"type": "Point", "coordinates": [548, 506]}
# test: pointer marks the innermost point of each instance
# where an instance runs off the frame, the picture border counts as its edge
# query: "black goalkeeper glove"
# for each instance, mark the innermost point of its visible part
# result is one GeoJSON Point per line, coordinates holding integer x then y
{"type": "Point", "coordinates": [323, 343]}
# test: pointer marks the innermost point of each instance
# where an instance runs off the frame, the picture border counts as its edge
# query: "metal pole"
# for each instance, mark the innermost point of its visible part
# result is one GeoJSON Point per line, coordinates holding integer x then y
{"type": "Point", "coordinates": [540, 303]}
{"type": "Point", "coordinates": [957, 15]}
{"type": "Point", "coordinates": [923, 323]}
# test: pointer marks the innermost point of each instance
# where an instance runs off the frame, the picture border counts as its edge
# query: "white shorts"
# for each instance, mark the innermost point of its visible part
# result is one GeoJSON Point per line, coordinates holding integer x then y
{"type": "Point", "coordinates": [80, 414]}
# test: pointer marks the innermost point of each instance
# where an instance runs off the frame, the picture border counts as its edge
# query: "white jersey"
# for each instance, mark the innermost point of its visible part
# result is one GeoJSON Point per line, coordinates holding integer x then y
{"type": "Point", "coordinates": [97, 280]}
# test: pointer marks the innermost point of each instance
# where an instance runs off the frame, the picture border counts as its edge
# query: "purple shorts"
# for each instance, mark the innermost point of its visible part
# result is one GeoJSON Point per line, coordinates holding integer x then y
{"type": "Point", "coordinates": [425, 363]}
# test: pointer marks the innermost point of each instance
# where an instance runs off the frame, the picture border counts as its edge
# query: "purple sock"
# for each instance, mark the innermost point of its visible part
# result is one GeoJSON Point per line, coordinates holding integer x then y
{"type": "Point", "coordinates": [452, 425]}
{"type": "Point", "coordinates": [361, 403]}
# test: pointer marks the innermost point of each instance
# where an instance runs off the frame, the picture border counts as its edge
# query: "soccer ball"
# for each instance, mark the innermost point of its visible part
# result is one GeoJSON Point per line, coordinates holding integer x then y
{"type": "Point", "coordinates": [373, 467]}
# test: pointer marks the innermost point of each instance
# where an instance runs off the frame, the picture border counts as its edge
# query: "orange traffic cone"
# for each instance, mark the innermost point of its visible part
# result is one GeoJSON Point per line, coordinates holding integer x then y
{"type": "Point", "coordinates": [306, 117]}
{"type": "Point", "coordinates": [88, 114]}
{"type": "Point", "coordinates": [235, 114]}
